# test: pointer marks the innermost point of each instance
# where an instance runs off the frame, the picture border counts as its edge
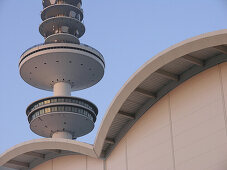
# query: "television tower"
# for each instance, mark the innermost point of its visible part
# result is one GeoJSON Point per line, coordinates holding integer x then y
{"type": "Point", "coordinates": [62, 64]}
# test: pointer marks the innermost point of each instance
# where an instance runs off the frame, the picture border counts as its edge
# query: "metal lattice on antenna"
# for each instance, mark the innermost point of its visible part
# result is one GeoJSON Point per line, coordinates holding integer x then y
{"type": "Point", "coordinates": [62, 64]}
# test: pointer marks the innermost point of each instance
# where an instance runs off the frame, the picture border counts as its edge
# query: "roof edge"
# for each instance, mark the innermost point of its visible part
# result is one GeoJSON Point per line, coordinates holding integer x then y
{"type": "Point", "coordinates": [202, 41]}
{"type": "Point", "coordinates": [47, 144]}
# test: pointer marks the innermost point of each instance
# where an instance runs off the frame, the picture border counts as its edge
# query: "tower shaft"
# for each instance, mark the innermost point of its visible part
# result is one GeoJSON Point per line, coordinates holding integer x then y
{"type": "Point", "coordinates": [62, 89]}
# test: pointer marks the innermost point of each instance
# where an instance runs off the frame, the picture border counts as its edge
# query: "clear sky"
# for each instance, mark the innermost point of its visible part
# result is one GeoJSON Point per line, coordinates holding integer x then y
{"type": "Point", "coordinates": [126, 32]}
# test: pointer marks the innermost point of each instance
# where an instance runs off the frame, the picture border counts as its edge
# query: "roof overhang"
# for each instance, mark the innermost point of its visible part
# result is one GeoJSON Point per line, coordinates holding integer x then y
{"type": "Point", "coordinates": [29, 154]}
{"type": "Point", "coordinates": [154, 79]}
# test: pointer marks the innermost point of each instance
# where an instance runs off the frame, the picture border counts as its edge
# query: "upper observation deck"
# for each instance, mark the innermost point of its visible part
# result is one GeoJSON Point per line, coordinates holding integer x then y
{"type": "Point", "coordinates": [62, 21]}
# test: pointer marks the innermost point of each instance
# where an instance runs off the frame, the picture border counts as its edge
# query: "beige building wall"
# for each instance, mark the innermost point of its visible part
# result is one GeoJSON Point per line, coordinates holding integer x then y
{"type": "Point", "coordinates": [149, 140]}
{"type": "Point", "coordinates": [74, 162]}
{"type": "Point", "coordinates": [198, 121]}
{"type": "Point", "coordinates": [184, 130]}
{"type": "Point", "coordinates": [118, 158]}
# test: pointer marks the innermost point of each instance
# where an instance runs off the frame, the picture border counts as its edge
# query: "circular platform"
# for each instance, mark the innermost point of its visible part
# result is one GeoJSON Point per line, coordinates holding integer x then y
{"type": "Point", "coordinates": [62, 114]}
{"type": "Point", "coordinates": [62, 38]}
{"type": "Point", "coordinates": [61, 9]}
{"type": "Point", "coordinates": [62, 99]}
{"type": "Point", "coordinates": [51, 25]}
{"type": "Point", "coordinates": [44, 65]}
{"type": "Point", "coordinates": [48, 124]}
{"type": "Point", "coordinates": [47, 3]}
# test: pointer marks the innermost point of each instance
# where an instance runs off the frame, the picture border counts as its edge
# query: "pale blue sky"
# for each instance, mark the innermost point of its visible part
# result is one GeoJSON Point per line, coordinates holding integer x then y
{"type": "Point", "coordinates": [126, 32]}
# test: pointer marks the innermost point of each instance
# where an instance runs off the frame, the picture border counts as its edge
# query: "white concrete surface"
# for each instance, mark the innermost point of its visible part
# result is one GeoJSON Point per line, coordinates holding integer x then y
{"type": "Point", "coordinates": [62, 89]}
{"type": "Point", "coordinates": [63, 135]}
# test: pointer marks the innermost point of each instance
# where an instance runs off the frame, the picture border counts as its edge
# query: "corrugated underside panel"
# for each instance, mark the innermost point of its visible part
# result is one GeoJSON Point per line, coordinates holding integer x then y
{"type": "Point", "coordinates": [130, 106]}
{"type": "Point", "coordinates": [177, 66]}
{"type": "Point", "coordinates": [153, 83]}
{"type": "Point", "coordinates": [43, 151]}
{"type": "Point", "coordinates": [118, 123]}
{"type": "Point", "coordinates": [205, 53]}
{"type": "Point", "coordinates": [24, 158]}
{"type": "Point", "coordinates": [105, 146]}
{"type": "Point", "coordinates": [137, 98]}
{"type": "Point", "coordinates": [12, 166]}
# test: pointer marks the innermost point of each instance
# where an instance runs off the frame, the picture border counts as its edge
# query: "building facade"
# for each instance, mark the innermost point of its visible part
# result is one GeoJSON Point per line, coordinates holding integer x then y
{"type": "Point", "coordinates": [170, 115]}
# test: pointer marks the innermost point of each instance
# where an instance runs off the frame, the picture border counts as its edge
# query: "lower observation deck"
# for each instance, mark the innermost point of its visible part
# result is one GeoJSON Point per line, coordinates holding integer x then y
{"type": "Point", "coordinates": [62, 114]}
{"type": "Point", "coordinates": [79, 65]}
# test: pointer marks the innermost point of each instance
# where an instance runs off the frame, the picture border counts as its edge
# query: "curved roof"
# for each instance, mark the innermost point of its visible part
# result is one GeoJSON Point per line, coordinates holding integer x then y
{"type": "Point", "coordinates": [151, 82]}
{"type": "Point", "coordinates": [154, 79]}
{"type": "Point", "coordinates": [29, 154]}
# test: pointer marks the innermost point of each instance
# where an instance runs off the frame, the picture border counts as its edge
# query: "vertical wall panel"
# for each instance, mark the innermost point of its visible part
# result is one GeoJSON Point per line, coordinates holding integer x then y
{"type": "Point", "coordinates": [198, 122]}
{"type": "Point", "coordinates": [149, 140]}
{"type": "Point", "coordinates": [94, 164]}
{"type": "Point", "coordinates": [223, 72]}
{"type": "Point", "coordinates": [45, 166]}
{"type": "Point", "coordinates": [117, 159]}
{"type": "Point", "coordinates": [74, 162]}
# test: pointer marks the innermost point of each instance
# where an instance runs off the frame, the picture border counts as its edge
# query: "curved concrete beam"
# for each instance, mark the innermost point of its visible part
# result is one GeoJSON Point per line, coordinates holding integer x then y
{"type": "Point", "coordinates": [47, 144]}
{"type": "Point", "coordinates": [203, 41]}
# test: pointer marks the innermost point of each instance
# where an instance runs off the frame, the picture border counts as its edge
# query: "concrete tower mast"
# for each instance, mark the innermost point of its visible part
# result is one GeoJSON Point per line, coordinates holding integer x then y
{"type": "Point", "coordinates": [62, 64]}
